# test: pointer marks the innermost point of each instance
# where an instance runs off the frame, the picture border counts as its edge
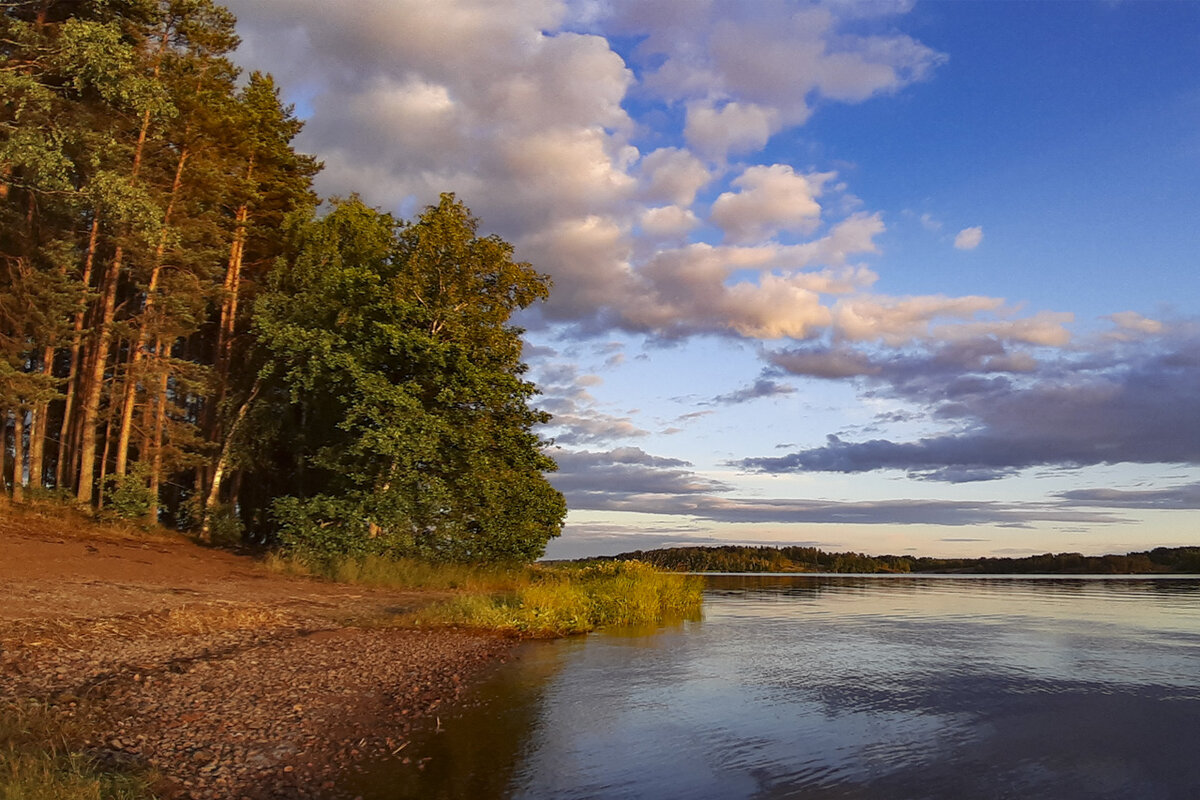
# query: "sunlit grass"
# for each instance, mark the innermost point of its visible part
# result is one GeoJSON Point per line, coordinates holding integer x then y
{"type": "Point", "coordinates": [562, 601]}
{"type": "Point", "coordinates": [37, 762]}
{"type": "Point", "coordinates": [395, 573]}
{"type": "Point", "coordinates": [534, 600]}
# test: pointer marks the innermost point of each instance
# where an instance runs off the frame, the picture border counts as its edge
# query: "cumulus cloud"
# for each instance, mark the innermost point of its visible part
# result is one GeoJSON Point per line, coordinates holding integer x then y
{"type": "Point", "coordinates": [746, 71]}
{"type": "Point", "coordinates": [769, 199]}
{"type": "Point", "coordinates": [968, 238]}
{"type": "Point", "coordinates": [668, 221]}
{"type": "Point", "coordinates": [520, 108]}
{"type": "Point", "coordinates": [672, 175]}
{"type": "Point", "coordinates": [731, 128]}
{"type": "Point", "coordinates": [1131, 326]}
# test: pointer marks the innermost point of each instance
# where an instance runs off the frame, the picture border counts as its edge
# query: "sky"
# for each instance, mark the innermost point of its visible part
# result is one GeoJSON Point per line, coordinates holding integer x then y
{"type": "Point", "coordinates": [888, 276]}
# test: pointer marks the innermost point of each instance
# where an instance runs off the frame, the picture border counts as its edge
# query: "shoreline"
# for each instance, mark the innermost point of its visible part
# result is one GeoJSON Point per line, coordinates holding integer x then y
{"type": "Point", "coordinates": [233, 683]}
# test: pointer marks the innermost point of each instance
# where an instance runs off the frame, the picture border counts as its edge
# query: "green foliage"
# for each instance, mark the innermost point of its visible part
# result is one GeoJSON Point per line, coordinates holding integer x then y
{"type": "Point", "coordinates": [350, 384]}
{"type": "Point", "coordinates": [225, 527]}
{"type": "Point", "coordinates": [406, 425]}
{"type": "Point", "coordinates": [734, 558]}
{"type": "Point", "coordinates": [128, 496]}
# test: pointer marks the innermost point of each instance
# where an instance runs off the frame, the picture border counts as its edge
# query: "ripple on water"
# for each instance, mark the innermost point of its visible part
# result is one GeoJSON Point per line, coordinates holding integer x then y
{"type": "Point", "coordinates": [859, 688]}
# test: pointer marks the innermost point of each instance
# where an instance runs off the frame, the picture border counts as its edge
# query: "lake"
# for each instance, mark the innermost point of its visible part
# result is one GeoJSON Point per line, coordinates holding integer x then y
{"type": "Point", "coordinates": [844, 687]}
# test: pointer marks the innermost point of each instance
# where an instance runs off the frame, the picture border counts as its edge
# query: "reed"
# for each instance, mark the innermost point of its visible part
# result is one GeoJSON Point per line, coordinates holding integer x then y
{"type": "Point", "coordinates": [529, 600]}
{"type": "Point", "coordinates": [561, 601]}
{"type": "Point", "coordinates": [395, 573]}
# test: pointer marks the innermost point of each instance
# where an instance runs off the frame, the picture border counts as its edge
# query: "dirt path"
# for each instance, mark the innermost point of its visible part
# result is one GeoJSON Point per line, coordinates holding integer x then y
{"type": "Point", "coordinates": [228, 680]}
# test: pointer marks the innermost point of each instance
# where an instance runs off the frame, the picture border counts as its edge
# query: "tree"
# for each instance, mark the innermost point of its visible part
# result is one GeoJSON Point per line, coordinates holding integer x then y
{"type": "Point", "coordinates": [395, 378]}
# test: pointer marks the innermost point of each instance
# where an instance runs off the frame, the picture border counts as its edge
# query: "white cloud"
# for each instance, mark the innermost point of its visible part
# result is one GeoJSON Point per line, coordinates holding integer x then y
{"type": "Point", "coordinates": [770, 199]}
{"type": "Point", "coordinates": [748, 70]}
{"type": "Point", "coordinates": [731, 128]}
{"type": "Point", "coordinates": [969, 238]}
{"type": "Point", "coordinates": [668, 221]}
{"type": "Point", "coordinates": [526, 120]}
{"type": "Point", "coordinates": [1132, 326]}
{"type": "Point", "coordinates": [899, 321]}
{"type": "Point", "coordinates": [672, 175]}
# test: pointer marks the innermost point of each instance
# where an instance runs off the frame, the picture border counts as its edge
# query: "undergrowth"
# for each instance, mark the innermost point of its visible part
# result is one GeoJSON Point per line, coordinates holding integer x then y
{"type": "Point", "coordinates": [534, 600]}
{"type": "Point", "coordinates": [37, 761]}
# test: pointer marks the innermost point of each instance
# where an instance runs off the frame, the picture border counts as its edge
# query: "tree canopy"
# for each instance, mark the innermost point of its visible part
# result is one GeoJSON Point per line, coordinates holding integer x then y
{"type": "Point", "coordinates": [185, 337]}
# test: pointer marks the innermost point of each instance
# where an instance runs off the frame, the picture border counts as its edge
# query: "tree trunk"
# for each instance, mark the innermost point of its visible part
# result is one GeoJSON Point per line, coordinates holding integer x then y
{"type": "Point", "coordinates": [156, 437]}
{"type": "Point", "coordinates": [229, 308]}
{"type": "Point", "coordinates": [18, 482]}
{"type": "Point", "coordinates": [94, 383]}
{"type": "Point", "coordinates": [62, 469]}
{"type": "Point", "coordinates": [214, 490]}
{"type": "Point", "coordinates": [108, 440]}
{"type": "Point", "coordinates": [39, 426]}
{"type": "Point", "coordinates": [138, 346]}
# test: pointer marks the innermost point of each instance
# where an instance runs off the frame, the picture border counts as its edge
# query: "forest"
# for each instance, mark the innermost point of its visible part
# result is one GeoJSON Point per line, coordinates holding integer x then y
{"type": "Point", "coordinates": [733, 558]}
{"type": "Point", "coordinates": [189, 336]}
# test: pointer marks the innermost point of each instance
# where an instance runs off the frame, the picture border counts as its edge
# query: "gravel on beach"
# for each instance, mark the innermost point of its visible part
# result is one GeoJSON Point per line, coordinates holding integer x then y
{"type": "Point", "coordinates": [229, 690]}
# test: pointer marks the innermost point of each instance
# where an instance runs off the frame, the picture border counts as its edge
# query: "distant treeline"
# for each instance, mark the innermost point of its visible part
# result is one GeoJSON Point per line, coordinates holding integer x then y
{"type": "Point", "coordinates": [732, 558]}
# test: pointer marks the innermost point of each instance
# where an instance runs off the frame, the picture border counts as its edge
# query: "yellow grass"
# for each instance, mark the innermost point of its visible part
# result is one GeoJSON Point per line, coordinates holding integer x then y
{"type": "Point", "coordinates": [37, 762]}
{"type": "Point", "coordinates": [565, 600]}
{"type": "Point", "coordinates": [534, 600]}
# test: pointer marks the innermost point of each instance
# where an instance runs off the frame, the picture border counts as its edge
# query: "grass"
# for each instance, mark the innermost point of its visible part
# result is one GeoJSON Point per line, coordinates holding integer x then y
{"type": "Point", "coordinates": [394, 573]}
{"type": "Point", "coordinates": [38, 763]}
{"type": "Point", "coordinates": [535, 600]}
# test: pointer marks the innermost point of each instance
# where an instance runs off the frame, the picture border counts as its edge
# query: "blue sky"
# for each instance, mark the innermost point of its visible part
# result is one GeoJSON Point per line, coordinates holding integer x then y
{"type": "Point", "coordinates": [906, 277]}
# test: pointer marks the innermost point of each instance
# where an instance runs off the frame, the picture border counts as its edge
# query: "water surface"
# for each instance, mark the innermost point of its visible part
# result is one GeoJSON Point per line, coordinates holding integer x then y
{"type": "Point", "coordinates": [845, 687]}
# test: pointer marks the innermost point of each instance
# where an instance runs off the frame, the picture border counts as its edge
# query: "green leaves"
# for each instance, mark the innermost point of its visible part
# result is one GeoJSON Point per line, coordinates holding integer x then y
{"type": "Point", "coordinates": [392, 346]}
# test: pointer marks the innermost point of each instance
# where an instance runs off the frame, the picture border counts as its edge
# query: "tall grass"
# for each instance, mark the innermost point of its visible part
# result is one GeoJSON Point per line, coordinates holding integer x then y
{"type": "Point", "coordinates": [532, 600]}
{"type": "Point", "coordinates": [565, 600]}
{"type": "Point", "coordinates": [394, 573]}
{"type": "Point", "coordinates": [37, 763]}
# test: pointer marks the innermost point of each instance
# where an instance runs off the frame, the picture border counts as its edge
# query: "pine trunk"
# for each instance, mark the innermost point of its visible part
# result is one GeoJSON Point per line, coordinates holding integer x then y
{"type": "Point", "coordinates": [18, 482]}
{"type": "Point", "coordinates": [39, 427]}
{"type": "Point", "coordinates": [103, 338]}
{"type": "Point", "coordinates": [63, 471]}
{"type": "Point", "coordinates": [93, 383]}
{"type": "Point", "coordinates": [156, 438]}
{"type": "Point", "coordinates": [139, 346]}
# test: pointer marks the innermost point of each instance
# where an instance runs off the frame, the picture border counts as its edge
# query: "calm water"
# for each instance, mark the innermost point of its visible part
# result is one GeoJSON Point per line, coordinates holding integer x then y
{"type": "Point", "coordinates": [845, 687]}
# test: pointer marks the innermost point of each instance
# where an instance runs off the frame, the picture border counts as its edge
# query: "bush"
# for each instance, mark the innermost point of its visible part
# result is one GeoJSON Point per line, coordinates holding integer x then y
{"type": "Point", "coordinates": [225, 527]}
{"type": "Point", "coordinates": [128, 496]}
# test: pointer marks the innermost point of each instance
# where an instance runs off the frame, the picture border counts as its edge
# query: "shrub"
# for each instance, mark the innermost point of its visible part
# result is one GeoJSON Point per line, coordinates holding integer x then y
{"type": "Point", "coordinates": [128, 496]}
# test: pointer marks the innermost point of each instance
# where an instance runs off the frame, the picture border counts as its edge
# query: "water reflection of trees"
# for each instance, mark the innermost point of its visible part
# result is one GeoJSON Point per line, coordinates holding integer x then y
{"type": "Point", "coordinates": [475, 750]}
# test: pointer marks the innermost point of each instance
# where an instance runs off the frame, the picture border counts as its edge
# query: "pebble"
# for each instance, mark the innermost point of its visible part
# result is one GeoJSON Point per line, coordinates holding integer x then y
{"type": "Point", "coordinates": [237, 691]}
